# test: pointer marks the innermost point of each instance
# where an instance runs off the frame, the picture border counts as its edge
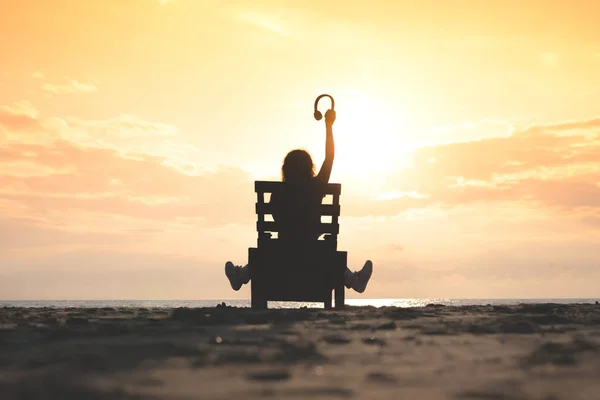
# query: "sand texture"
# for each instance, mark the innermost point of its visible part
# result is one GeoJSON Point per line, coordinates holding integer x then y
{"type": "Point", "coordinates": [542, 352]}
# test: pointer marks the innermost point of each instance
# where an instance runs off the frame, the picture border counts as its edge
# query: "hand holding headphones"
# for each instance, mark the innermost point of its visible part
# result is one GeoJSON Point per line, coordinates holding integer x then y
{"type": "Point", "coordinates": [329, 115]}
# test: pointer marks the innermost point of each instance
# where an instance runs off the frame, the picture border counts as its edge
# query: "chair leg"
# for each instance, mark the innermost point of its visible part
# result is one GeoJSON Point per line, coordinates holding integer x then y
{"type": "Point", "coordinates": [258, 303]}
{"type": "Point", "coordinates": [328, 304]}
{"type": "Point", "coordinates": [340, 297]}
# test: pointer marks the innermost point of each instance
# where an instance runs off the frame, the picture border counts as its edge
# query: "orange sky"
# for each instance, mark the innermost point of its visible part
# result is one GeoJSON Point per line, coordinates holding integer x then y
{"type": "Point", "coordinates": [468, 139]}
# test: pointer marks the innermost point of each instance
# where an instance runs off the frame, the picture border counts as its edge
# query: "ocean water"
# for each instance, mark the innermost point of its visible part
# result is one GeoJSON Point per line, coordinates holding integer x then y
{"type": "Point", "coordinates": [246, 303]}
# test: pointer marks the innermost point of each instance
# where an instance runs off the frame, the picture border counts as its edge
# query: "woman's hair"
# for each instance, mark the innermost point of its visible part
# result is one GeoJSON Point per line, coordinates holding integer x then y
{"type": "Point", "coordinates": [297, 167]}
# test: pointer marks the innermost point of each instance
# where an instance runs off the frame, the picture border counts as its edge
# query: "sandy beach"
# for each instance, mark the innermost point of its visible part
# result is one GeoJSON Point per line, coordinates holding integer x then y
{"type": "Point", "coordinates": [541, 351]}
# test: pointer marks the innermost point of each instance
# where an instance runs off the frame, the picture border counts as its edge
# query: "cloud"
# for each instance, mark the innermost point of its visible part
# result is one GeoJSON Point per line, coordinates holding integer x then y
{"type": "Point", "coordinates": [262, 21]}
{"type": "Point", "coordinates": [127, 134]}
{"type": "Point", "coordinates": [124, 166]}
{"type": "Point", "coordinates": [65, 182]}
{"type": "Point", "coordinates": [72, 86]}
{"type": "Point", "coordinates": [38, 75]}
{"type": "Point", "coordinates": [125, 126]}
{"type": "Point", "coordinates": [19, 116]}
{"type": "Point", "coordinates": [69, 185]}
{"type": "Point", "coordinates": [85, 184]}
{"type": "Point", "coordinates": [394, 247]}
{"type": "Point", "coordinates": [104, 181]}
{"type": "Point", "coordinates": [551, 166]}
{"type": "Point", "coordinates": [20, 233]}
{"type": "Point", "coordinates": [472, 130]}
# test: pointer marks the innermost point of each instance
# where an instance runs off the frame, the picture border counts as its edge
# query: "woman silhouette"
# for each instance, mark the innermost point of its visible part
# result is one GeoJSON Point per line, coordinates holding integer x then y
{"type": "Point", "coordinates": [296, 207]}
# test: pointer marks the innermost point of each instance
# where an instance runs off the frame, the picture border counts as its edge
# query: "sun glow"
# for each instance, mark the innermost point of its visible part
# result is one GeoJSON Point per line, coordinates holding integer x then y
{"type": "Point", "coordinates": [368, 137]}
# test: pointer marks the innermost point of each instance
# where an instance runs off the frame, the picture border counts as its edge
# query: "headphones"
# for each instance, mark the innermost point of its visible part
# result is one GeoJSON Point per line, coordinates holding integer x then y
{"type": "Point", "coordinates": [317, 113]}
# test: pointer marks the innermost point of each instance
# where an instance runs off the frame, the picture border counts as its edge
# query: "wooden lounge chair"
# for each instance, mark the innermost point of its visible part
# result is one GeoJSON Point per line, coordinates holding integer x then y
{"type": "Point", "coordinates": [293, 272]}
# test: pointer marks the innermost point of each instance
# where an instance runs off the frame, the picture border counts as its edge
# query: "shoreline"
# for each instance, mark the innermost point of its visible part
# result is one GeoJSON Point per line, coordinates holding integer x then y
{"type": "Point", "coordinates": [355, 302]}
{"type": "Point", "coordinates": [543, 351]}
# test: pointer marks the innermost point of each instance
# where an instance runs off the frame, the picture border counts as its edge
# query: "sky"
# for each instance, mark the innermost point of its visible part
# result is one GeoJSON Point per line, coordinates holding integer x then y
{"type": "Point", "coordinates": [467, 142]}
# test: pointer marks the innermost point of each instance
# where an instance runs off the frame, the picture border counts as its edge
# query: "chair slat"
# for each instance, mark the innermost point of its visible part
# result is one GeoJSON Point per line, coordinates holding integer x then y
{"type": "Point", "coordinates": [270, 187]}
{"type": "Point", "coordinates": [271, 226]}
{"type": "Point", "coordinates": [324, 209]}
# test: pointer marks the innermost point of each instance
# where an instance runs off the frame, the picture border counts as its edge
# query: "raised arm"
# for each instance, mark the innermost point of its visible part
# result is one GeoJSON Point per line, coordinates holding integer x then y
{"type": "Point", "coordinates": [325, 171]}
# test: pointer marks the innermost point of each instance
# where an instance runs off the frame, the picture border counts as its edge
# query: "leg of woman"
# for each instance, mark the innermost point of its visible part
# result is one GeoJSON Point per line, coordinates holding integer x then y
{"type": "Point", "coordinates": [358, 280]}
{"type": "Point", "coordinates": [237, 275]}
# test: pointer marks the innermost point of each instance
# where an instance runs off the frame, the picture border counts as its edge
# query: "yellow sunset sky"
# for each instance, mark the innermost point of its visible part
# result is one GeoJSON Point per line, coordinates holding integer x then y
{"type": "Point", "coordinates": [131, 131]}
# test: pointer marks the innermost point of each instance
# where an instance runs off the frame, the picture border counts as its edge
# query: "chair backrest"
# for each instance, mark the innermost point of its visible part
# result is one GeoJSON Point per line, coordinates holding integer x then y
{"type": "Point", "coordinates": [266, 228]}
